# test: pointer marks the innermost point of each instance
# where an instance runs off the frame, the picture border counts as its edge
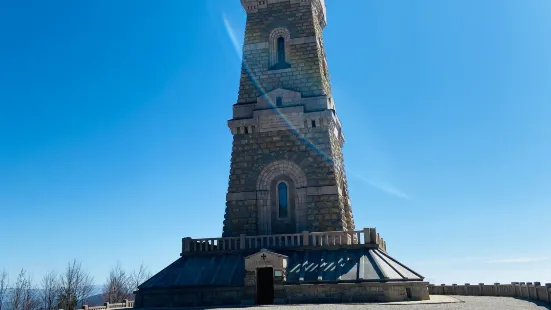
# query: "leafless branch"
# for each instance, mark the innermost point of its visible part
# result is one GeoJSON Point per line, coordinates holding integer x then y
{"type": "Point", "coordinates": [75, 286]}
{"type": "Point", "coordinates": [4, 283]}
{"type": "Point", "coordinates": [118, 285]}
{"type": "Point", "coordinates": [50, 291]}
{"type": "Point", "coordinates": [23, 296]}
{"type": "Point", "coordinates": [137, 277]}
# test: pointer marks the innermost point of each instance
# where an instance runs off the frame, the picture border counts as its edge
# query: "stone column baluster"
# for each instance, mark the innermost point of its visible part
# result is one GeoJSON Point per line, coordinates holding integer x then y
{"type": "Point", "coordinates": [305, 237]}
{"type": "Point", "coordinates": [373, 235]}
{"type": "Point", "coordinates": [242, 241]}
{"type": "Point", "coordinates": [186, 244]}
{"type": "Point", "coordinates": [367, 236]}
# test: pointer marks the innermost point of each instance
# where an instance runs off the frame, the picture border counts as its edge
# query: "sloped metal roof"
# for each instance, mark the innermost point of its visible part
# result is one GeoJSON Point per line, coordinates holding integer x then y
{"type": "Point", "coordinates": [193, 271]}
{"type": "Point", "coordinates": [305, 266]}
{"type": "Point", "coordinates": [346, 265]}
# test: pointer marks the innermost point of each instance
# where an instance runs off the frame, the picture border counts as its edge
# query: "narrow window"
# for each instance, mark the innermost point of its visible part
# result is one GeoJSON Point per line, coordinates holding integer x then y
{"type": "Point", "coordinates": [280, 50]}
{"type": "Point", "coordinates": [279, 101]}
{"type": "Point", "coordinates": [238, 130]}
{"type": "Point", "coordinates": [313, 124]}
{"type": "Point", "coordinates": [282, 195]}
{"type": "Point", "coordinates": [246, 130]}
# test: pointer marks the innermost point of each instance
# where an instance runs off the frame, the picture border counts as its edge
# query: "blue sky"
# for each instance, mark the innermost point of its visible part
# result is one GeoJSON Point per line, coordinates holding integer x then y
{"type": "Point", "coordinates": [114, 145]}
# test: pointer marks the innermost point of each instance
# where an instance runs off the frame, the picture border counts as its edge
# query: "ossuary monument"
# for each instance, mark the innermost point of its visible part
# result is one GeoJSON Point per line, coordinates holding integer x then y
{"type": "Point", "coordinates": [288, 233]}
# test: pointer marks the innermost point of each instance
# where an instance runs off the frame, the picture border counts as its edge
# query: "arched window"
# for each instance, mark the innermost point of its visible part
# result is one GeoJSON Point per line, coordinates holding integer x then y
{"type": "Point", "coordinates": [279, 101]}
{"type": "Point", "coordinates": [279, 48]}
{"type": "Point", "coordinates": [283, 199]}
{"type": "Point", "coordinates": [281, 51]}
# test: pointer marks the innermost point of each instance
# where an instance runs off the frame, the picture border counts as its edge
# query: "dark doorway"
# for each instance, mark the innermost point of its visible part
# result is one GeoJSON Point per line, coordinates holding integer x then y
{"type": "Point", "coordinates": [265, 286]}
{"type": "Point", "coordinates": [408, 292]}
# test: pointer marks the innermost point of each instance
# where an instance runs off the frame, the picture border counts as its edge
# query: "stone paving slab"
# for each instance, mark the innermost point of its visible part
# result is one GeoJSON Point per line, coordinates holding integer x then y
{"type": "Point", "coordinates": [437, 302]}
{"type": "Point", "coordinates": [434, 299]}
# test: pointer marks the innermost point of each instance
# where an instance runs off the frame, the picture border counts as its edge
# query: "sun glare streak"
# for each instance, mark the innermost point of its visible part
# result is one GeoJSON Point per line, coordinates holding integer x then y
{"type": "Point", "coordinates": [263, 92]}
{"type": "Point", "coordinates": [384, 187]}
{"type": "Point", "coordinates": [233, 38]}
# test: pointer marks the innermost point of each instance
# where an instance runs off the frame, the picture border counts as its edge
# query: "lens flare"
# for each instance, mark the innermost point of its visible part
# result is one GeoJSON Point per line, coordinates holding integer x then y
{"type": "Point", "coordinates": [258, 85]}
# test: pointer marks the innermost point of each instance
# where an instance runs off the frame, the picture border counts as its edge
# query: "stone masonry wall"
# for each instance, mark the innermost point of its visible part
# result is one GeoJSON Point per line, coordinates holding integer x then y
{"type": "Point", "coordinates": [305, 74]}
{"type": "Point", "coordinates": [321, 49]}
{"type": "Point", "coordinates": [340, 174]}
{"type": "Point", "coordinates": [314, 151]}
{"type": "Point", "coordinates": [284, 294]}
{"type": "Point", "coordinates": [355, 292]}
{"type": "Point", "coordinates": [252, 152]}
{"type": "Point", "coordinates": [529, 290]}
{"type": "Point", "coordinates": [189, 297]}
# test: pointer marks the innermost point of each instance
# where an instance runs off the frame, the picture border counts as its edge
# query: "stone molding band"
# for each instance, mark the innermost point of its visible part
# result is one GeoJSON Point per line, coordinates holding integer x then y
{"type": "Point", "coordinates": [252, 6]}
{"type": "Point", "coordinates": [266, 45]}
{"type": "Point", "coordinates": [310, 191]}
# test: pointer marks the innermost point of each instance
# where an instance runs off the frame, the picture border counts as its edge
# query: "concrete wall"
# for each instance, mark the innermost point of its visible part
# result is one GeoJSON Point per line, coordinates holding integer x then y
{"type": "Point", "coordinates": [529, 290]}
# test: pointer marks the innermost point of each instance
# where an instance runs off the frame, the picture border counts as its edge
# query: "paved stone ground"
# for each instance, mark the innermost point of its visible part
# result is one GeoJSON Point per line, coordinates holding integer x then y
{"type": "Point", "coordinates": [465, 303]}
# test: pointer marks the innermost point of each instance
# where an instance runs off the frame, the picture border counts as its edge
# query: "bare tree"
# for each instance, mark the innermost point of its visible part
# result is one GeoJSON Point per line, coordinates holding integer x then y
{"type": "Point", "coordinates": [4, 283]}
{"type": "Point", "coordinates": [137, 277]}
{"type": "Point", "coordinates": [118, 286]}
{"type": "Point", "coordinates": [23, 296]}
{"type": "Point", "coordinates": [75, 286]}
{"type": "Point", "coordinates": [31, 299]}
{"type": "Point", "coordinates": [17, 294]}
{"type": "Point", "coordinates": [50, 291]}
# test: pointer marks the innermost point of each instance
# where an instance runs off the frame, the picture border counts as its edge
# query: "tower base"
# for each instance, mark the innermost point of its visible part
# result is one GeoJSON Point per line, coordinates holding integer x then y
{"type": "Point", "coordinates": [329, 267]}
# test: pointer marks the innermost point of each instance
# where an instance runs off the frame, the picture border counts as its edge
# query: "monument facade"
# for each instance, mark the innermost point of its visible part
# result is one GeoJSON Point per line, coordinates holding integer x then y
{"type": "Point", "coordinates": [287, 170]}
{"type": "Point", "coordinates": [288, 231]}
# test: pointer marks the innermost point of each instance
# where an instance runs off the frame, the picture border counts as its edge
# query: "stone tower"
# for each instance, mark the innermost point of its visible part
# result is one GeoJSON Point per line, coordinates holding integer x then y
{"type": "Point", "coordinates": [287, 171]}
{"type": "Point", "coordinates": [287, 207]}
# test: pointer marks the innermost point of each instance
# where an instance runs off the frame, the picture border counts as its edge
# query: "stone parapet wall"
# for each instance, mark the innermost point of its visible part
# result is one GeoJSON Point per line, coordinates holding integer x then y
{"type": "Point", "coordinates": [367, 238]}
{"type": "Point", "coordinates": [106, 305]}
{"type": "Point", "coordinates": [528, 290]}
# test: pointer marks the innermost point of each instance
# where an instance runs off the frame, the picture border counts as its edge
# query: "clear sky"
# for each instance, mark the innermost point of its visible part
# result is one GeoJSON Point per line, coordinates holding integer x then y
{"type": "Point", "coordinates": [114, 143]}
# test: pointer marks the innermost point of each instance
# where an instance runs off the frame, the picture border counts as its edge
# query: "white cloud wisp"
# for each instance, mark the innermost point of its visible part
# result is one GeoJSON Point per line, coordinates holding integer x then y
{"type": "Point", "coordinates": [519, 260]}
{"type": "Point", "coordinates": [384, 187]}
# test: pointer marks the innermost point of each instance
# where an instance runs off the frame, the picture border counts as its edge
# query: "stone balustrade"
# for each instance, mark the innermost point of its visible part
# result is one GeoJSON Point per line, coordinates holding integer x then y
{"type": "Point", "coordinates": [125, 304]}
{"type": "Point", "coordinates": [528, 290]}
{"type": "Point", "coordinates": [368, 237]}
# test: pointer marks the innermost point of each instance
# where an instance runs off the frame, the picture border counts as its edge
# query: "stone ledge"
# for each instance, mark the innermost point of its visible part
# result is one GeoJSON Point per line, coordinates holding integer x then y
{"type": "Point", "coordinates": [274, 71]}
{"type": "Point", "coordinates": [266, 45]}
{"type": "Point", "coordinates": [310, 191]}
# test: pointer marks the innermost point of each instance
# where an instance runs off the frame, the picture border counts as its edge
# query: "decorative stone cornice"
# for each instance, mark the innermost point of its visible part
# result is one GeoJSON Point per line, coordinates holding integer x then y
{"type": "Point", "coordinates": [252, 6]}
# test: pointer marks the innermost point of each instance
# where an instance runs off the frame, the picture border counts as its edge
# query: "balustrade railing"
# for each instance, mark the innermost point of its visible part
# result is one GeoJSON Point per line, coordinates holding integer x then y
{"type": "Point", "coordinates": [367, 236]}
{"type": "Point", "coordinates": [125, 304]}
